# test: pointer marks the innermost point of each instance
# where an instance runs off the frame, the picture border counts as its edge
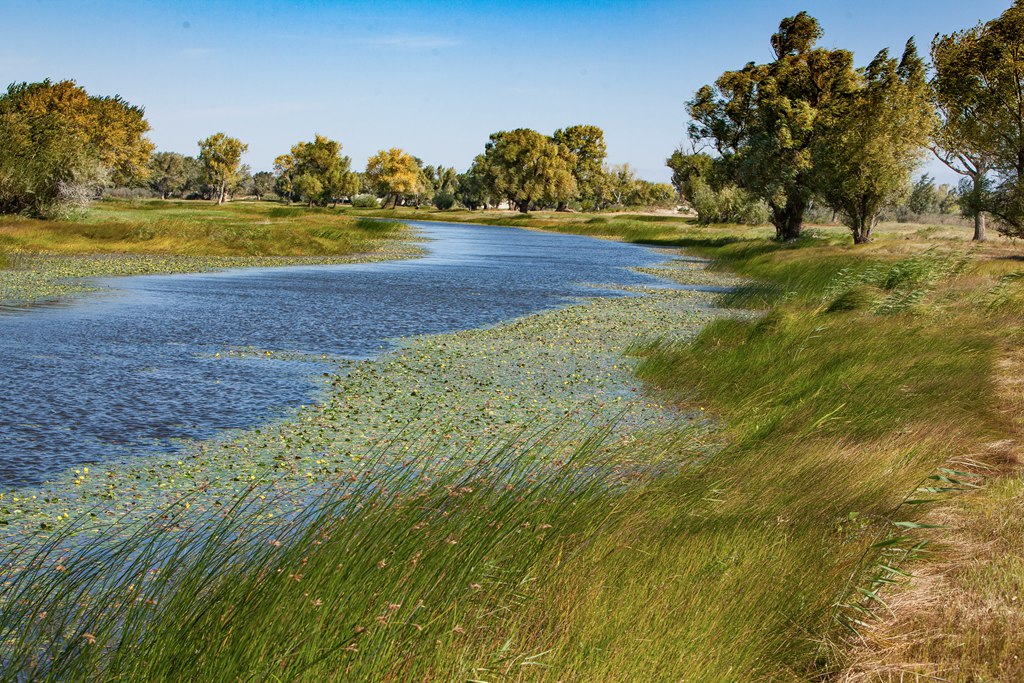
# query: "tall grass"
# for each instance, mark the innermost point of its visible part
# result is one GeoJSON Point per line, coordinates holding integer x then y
{"type": "Point", "coordinates": [200, 229]}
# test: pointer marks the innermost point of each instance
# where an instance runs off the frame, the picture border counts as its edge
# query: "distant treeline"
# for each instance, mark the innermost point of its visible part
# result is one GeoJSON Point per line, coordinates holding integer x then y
{"type": "Point", "coordinates": [60, 147]}
{"type": "Point", "coordinates": [804, 135]}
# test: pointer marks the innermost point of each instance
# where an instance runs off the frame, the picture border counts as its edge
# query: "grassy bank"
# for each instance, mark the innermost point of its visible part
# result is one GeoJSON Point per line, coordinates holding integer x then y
{"type": "Point", "coordinates": [858, 411]}
{"type": "Point", "coordinates": [49, 260]}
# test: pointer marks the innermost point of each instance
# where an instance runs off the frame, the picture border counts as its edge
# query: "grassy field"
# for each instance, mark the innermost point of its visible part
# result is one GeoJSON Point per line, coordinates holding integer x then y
{"type": "Point", "coordinates": [191, 228]}
{"type": "Point", "coordinates": [50, 260]}
{"type": "Point", "coordinates": [856, 517]}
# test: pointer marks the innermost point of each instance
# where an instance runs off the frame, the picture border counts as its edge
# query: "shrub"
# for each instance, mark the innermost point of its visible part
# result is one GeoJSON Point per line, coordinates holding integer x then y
{"type": "Point", "coordinates": [444, 200]}
{"type": "Point", "coordinates": [365, 201]}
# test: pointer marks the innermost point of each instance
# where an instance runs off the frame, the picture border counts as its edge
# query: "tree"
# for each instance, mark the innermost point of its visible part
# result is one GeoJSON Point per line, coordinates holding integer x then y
{"type": "Point", "coordinates": [979, 90]}
{"type": "Point", "coordinates": [393, 174]}
{"type": "Point", "coordinates": [262, 184]}
{"type": "Point", "coordinates": [764, 119]}
{"type": "Point", "coordinates": [321, 160]}
{"type": "Point", "coordinates": [924, 197]}
{"type": "Point", "coordinates": [873, 138]}
{"type": "Point", "coordinates": [58, 144]}
{"type": "Point", "coordinates": [472, 189]}
{"type": "Point", "coordinates": [964, 138]}
{"type": "Point", "coordinates": [284, 170]}
{"type": "Point", "coordinates": [586, 144]}
{"type": "Point", "coordinates": [221, 157]}
{"type": "Point", "coordinates": [526, 167]}
{"type": "Point", "coordinates": [168, 174]}
{"type": "Point", "coordinates": [309, 188]}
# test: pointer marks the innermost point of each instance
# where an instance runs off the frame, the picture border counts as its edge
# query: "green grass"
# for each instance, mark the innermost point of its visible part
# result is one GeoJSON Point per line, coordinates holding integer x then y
{"type": "Point", "coordinates": [193, 228]}
{"type": "Point", "coordinates": [869, 371]}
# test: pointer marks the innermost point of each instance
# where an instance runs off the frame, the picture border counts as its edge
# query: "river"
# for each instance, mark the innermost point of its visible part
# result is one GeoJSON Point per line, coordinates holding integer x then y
{"type": "Point", "coordinates": [152, 360]}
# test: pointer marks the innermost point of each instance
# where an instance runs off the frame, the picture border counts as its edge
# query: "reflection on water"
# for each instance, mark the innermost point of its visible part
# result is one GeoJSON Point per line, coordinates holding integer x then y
{"type": "Point", "coordinates": [136, 368]}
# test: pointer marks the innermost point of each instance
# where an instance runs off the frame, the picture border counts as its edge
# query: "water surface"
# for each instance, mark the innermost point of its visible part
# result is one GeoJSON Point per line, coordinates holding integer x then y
{"type": "Point", "coordinates": [134, 369]}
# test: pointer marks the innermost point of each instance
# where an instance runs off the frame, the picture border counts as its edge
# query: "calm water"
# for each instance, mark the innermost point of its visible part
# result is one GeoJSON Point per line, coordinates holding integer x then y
{"type": "Point", "coordinates": [132, 370]}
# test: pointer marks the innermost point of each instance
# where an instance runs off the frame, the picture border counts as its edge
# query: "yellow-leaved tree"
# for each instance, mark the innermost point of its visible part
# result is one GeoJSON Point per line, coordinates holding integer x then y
{"type": "Point", "coordinates": [393, 174]}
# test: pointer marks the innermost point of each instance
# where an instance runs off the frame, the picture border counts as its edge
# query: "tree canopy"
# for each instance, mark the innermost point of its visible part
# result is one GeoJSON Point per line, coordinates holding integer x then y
{"type": "Point", "coordinates": [58, 143]}
{"type": "Point", "coordinates": [526, 167]}
{"type": "Point", "coordinates": [979, 88]}
{"type": "Point", "coordinates": [221, 157]}
{"type": "Point", "coordinates": [393, 174]}
{"type": "Point", "coordinates": [873, 137]}
{"type": "Point", "coordinates": [764, 118]}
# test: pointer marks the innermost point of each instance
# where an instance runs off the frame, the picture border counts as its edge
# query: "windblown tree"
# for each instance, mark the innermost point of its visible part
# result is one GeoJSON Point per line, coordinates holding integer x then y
{"type": "Point", "coordinates": [979, 88]}
{"type": "Point", "coordinates": [586, 144]}
{"type": "Point", "coordinates": [526, 167]}
{"type": "Point", "coordinates": [764, 119]}
{"type": "Point", "coordinates": [873, 137]}
{"type": "Point", "coordinates": [393, 174]}
{"type": "Point", "coordinates": [965, 139]}
{"type": "Point", "coordinates": [58, 144]}
{"type": "Point", "coordinates": [221, 157]}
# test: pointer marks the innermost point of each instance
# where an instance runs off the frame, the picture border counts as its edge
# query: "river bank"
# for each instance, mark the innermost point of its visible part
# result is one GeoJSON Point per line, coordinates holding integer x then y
{"type": "Point", "coordinates": [47, 261]}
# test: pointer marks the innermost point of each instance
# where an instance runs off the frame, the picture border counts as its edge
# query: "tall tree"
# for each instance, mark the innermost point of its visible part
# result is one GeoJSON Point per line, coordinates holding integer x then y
{"type": "Point", "coordinates": [221, 157]}
{"type": "Point", "coordinates": [586, 144]}
{"type": "Point", "coordinates": [873, 138]}
{"type": "Point", "coordinates": [526, 167]}
{"type": "Point", "coordinates": [979, 86]}
{"type": "Point", "coordinates": [393, 174]}
{"type": "Point", "coordinates": [965, 138]}
{"type": "Point", "coordinates": [57, 143]}
{"type": "Point", "coordinates": [764, 119]}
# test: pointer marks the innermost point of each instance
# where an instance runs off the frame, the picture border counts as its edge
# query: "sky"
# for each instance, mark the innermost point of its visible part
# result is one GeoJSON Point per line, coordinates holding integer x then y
{"type": "Point", "coordinates": [432, 77]}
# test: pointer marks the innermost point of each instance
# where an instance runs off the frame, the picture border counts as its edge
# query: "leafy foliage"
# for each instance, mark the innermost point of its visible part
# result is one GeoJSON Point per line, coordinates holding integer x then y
{"type": "Point", "coordinates": [58, 143]}
{"type": "Point", "coordinates": [221, 157]}
{"type": "Point", "coordinates": [874, 135]}
{"type": "Point", "coordinates": [526, 167]}
{"type": "Point", "coordinates": [394, 174]}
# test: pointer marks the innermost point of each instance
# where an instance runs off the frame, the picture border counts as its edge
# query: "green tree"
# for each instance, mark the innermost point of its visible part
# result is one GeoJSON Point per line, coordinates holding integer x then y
{"type": "Point", "coordinates": [393, 174]}
{"type": "Point", "coordinates": [764, 119]}
{"type": "Point", "coordinates": [924, 196]}
{"type": "Point", "coordinates": [284, 171]}
{"type": "Point", "coordinates": [168, 174]}
{"type": "Point", "coordinates": [322, 160]}
{"type": "Point", "coordinates": [472, 189]}
{"type": "Point", "coordinates": [262, 184]}
{"type": "Point", "coordinates": [58, 144]}
{"type": "Point", "coordinates": [979, 89]}
{"type": "Point", "coordinates": [873, 138]}
{"type": "Point", "coordinates": [309, 188]}
{"type": "Point", "coordinates": [586, 144]}
{"type": "Point", "coordinates": [526, 167]}
{"type": "Point", "coordinates": [221, 157]}
{"type": "Point", "coordinates": [965, 138]}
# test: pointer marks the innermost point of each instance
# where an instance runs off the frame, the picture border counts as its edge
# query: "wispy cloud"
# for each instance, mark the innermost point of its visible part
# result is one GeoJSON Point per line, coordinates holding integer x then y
{"type": "Point", "coordinates": [412, 42]}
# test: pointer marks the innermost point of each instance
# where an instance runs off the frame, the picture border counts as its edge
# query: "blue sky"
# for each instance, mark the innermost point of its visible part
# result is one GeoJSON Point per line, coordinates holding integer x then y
{"type": "Point", "coordinates": [435, 78]}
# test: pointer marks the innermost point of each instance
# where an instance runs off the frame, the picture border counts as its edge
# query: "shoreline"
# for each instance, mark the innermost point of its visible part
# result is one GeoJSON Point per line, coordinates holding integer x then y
{"type": "Point", "coordinates": [561, 367]}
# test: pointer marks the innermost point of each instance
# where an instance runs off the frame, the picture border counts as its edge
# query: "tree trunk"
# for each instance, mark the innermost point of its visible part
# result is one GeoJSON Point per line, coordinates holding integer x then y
{"type": "Point", "coordinates": [979, 227]}
{"type": "Point", "coordinates": [223, 191]}
{"type": "Point", "coordinates": [789, 219]}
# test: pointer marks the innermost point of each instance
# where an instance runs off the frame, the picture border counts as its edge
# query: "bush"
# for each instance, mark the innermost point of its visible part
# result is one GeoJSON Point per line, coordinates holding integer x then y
{"type": "Point", "coordinates": [731, 204]}
{"type": "Point", "coordinates": [365, 201]}
{"type": "Point", "coordinates": [444, 200]}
